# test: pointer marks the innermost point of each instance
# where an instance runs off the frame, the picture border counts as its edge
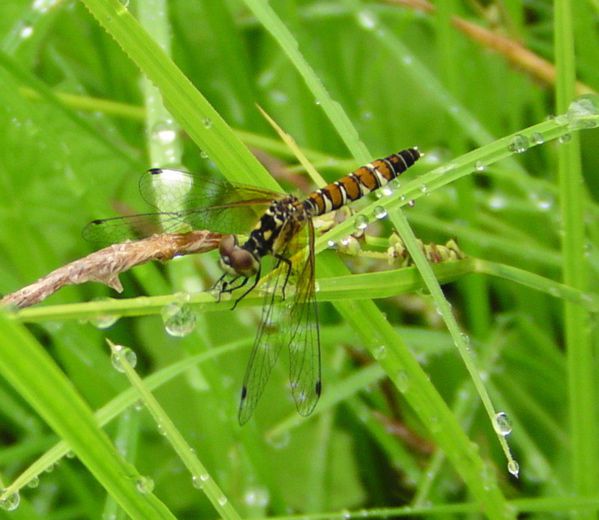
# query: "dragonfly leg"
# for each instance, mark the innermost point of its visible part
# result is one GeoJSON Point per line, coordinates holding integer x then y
{"type": "Point", "coordinates": [287, 263]}
{"type": "Point", "coordinates": [250, 289]}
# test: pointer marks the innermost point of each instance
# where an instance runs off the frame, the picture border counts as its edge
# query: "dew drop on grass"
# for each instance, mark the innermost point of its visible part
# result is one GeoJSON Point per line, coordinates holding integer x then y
{"type": "Point", "coordinates": [514, 468]}
{"type": "Point", "coordinates": [144, 485]}
{"type": "Point", "coordinates": [380, 212]}
{"type": "Point", "coordinates": [121, 353]}
{"type": "Point", "coordinates": [256, 497]}
{"type": "Point", "coordinates": [502, 424]}
{"type": "Point", "coordinates": [164, 132]}
{"type": "Point", "coordinates": [179, 319]}
{"type": "Point", "coordinates": [519, 144]}
{"type": "Point", "coordinates": [198, 481]}
{"type": "Point", "coordinates": [9, 502]}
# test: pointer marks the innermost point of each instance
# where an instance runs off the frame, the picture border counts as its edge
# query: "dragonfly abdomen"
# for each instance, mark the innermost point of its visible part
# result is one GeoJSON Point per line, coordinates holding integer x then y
{"type": "Point", "coordinates": [360, 182]}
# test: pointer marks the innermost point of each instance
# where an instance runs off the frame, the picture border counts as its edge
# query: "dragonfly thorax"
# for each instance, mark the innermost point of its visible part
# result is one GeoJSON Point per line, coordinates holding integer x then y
{"type": "Point", "coordinates": [279, 223]}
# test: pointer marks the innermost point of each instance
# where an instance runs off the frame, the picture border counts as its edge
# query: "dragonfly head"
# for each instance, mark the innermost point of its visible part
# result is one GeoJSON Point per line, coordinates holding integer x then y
{"type": "Point", "coordinates": [236, 260]}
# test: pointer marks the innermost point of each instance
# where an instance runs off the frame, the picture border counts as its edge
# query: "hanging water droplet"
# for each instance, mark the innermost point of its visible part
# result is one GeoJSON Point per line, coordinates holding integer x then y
{"type": "Point", "coordinates": [256, 497]}
{"type": "Point", "coordinates": [104, 321]}
{"type": "Point", "coordinates": [34, 482]}
{"type": "Point", "coordinates": [179, 319]}
{"type": "Point", "coordinates": [513, 467]}
{"type": "Point", "coordinates": [566, 138]}
{"type": "Point", "coordinates": [198, 481]}
{"type": "Point", "coordinates": [519, 144]}
{"type": "Point", "coordinates": [9, 502]}
{"type": "Point", "coordinates": [543, 201]}
{"type": "Point", "coordinates": [367, 19]}
{"type": "Point", "coordinates": [361, 222]}
{"type": "Point", "coordinates": [164, 132]}
{"type": "Point", "coordinates": [26, 31]}
{"type": "Point", "coordinates": [537, 138]}
{"type": "Point", "coordinates": [120, 353]}
{"type": "Point", "coordinates": [207, 122]}
{"type": "Point", "coordinates": [502, 424]}
{"type": "Point", "coordinates": [380, 212]}
{"type": "Point", "coordinates": [144, 485]}
{"type": "Point", "coordinates": [479, 166]}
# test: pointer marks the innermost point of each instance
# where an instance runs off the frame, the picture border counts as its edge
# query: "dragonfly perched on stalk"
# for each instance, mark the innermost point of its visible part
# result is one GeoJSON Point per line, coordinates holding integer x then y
{"type": "Point", "coordinates": [284, 227]}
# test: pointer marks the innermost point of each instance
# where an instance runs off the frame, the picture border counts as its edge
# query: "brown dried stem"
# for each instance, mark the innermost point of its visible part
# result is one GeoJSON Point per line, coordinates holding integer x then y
{"type": "Point", "coordinates": [105, 265]}
{"type": "Point", "coordinates": [512, 50]}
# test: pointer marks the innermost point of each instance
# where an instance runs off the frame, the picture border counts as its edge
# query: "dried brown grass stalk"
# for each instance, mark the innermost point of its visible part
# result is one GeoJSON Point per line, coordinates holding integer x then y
{"type": "Point", "coordinates": [513, 51]}
{"type": "Point", "coordinates": [107, 264]}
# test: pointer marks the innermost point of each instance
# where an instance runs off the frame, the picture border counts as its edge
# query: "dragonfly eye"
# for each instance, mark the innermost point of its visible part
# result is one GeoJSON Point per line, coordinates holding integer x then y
{"type": "Point", "coordinates": [235, 259]}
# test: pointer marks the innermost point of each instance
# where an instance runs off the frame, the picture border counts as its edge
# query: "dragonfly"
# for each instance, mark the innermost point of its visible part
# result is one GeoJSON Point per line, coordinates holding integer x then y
{"type": "Point", "coordinates": [284, 231]}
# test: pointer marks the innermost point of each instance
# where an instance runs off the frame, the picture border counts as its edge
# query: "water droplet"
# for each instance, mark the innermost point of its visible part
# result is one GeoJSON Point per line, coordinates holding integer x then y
{"type": "Point", "coordinates": [380, 352]}
{"type": "Point", "coordinates": [331, 244]}
{"type": "Point", "coordinates": [256, 497]}
{"type": "Point", "coordinates": [497, 202]}
{"type": "Point", "coordinates": [198, 481]}
{"type": "Point", "coordinates": [104, 321]}
{"type": "Point", "coordinates": [179, 319]}
{"type": "Point", "coordinates": [387, 191]}
{"type": "Point", "coordinates": [26, 31]}
{"type": "Point", "coordinates": [519, 144]}
{"type": "Point", "coordinates": [34, 482]}
{"type": "Point", "coordinates": [361, 222]}
{"type": "Point", "coordinates": [345, 241]}
{"type": "Point", "coordinates": [164, 132]}
{"type": "Point", "coordinates": [502, 424]}
{"type": "Point", "coordinates": [380, 212]}
{"type": "Point", "coordinates": [366, 115]}
{"type": "Point", "coordinates": [367, 19]}
{"type": "Point", "coordinates": [222, 500]}
{"type": "Point", "coordinates": [402, 381]}
{"type": "Point", "coordinates": [583, 112]}
{"type": "Point", "coordinates": [537, 138]}
{"type": "Point", "coordinates": [279, 441]}
{"type": "Point", "coordinates": [424, 189]}
{"type": "Point", "coordinates": [513, 467]}
{"type": "Point", "coordinates": [411, 203]}
{"type": "Point", "coordinates": [543, 201]}
{"type": "Point", "coordinates": [317, 102]}
{"type": "Point", "coordinates": [9, 502]}
{"type": "Point", "coordinates": [120, 353]}
{"type": "Point", "coordinates": [144, 485]}
{"type": "Point", "coordinates": [479, 166]}
{"type": "Point", "coordinates": [407, 59]}
{"type": "Point", "coordinates": [207, 122]}
{"type": "Point", "coordinates": [345, 514]}
{"type": "Point", "coordinates": [566, 138]}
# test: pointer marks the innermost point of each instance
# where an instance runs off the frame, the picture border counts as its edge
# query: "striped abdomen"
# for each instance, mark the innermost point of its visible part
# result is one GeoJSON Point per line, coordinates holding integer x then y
{"type": "Point", "coordinates": [360, 182]}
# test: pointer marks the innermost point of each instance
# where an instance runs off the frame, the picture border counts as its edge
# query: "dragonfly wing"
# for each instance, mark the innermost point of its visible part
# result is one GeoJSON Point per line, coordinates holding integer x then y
{"type": "Point", "coordinates": [302, 336]}
{"type": "Point", "coordinates": [267, 346]}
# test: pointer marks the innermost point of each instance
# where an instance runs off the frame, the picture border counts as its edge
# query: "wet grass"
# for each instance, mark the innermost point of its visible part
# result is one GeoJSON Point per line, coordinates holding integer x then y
{"type": "Point", "coordinates": [508, 172]}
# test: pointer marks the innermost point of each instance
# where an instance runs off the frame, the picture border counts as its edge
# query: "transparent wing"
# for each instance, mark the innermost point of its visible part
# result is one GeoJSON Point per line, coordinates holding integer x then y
{"type": "Point", "coordinates": [292, 323]}
{"type": "Point", "coordinates": [267, 345]}
{"type": "Point", "coordinates": [302, 335]}
{"type": "Point", "coordinates": [190, 202]}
